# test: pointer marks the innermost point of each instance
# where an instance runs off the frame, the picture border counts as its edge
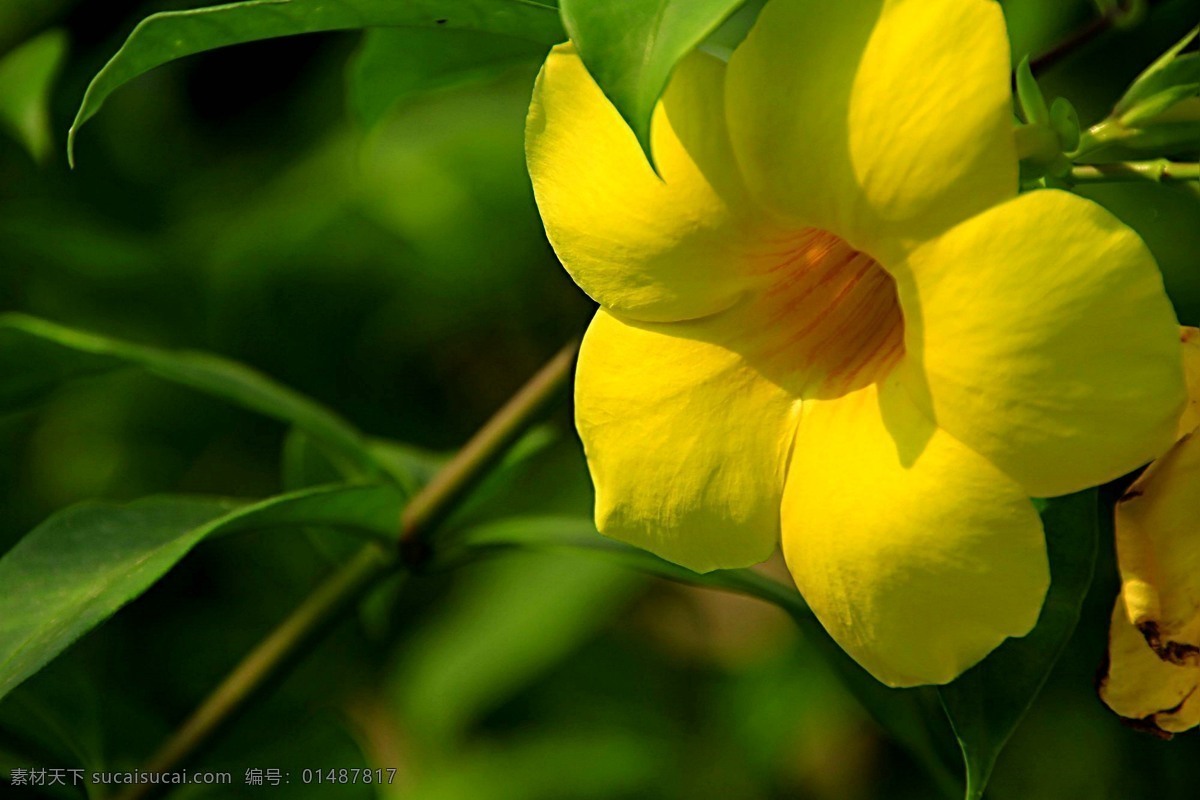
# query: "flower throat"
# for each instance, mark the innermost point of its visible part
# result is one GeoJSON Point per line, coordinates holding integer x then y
{"type": "Point", "coordinates": [834, 314]}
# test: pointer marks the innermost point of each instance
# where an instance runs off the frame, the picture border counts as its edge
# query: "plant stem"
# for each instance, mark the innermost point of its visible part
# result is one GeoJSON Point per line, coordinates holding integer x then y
{"type": "Point", "coordinates": [286, 645]}
{"type": "Point", "coordinates": [1157, 171]}
{"type": "Point", "coordinates": [489, 443]}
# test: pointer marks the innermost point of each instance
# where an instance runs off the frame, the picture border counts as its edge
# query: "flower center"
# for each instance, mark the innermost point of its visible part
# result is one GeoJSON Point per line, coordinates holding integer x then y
{"type": "Point", "coordinates": [833, 315]}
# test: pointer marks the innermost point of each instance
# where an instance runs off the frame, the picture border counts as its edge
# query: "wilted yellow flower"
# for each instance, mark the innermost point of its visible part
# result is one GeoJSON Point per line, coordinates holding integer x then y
{"type": "Point", "coordinates": [833, 318]}
{"type": "Point", "coordinates": [1154, 645]}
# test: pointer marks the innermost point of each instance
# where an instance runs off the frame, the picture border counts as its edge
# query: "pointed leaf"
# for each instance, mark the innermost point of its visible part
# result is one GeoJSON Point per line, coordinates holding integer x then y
{"type": "Point", "coordinates": [171, 35]}
{"type": "Point", "coordinates": [37, 356]}
{"type": "Point", "coordinates": [986, 704]}
{"type": "Point", "coordinates": [79, 566]}
{"type": "Point", "coordinates": [1164, 72]}
{"type": "Point", "coordinates": [632, 47]}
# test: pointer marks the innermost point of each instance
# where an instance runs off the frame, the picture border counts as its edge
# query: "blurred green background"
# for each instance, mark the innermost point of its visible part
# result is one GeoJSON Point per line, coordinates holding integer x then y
{"type": "Point", "coordinates": [389, 261]}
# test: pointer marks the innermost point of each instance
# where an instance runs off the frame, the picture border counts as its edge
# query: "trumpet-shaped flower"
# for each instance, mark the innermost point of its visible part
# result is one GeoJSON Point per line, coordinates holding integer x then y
{"type": "Point", "coordinates": [830, 318]}
{"type": "Point", "coordinates": [1153, 675]}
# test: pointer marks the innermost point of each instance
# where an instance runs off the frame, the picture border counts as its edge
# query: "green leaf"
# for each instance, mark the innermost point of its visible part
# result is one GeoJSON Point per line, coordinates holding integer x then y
{"type": "Point", "coordinates": [171, 35]}
{"type": "Point", "coordinates": [82, 564]}
{"type": "Point", "coordinates": [580, 534]}
{"type": "Point", "coordinates": [733, 31]}
{"type": "Point", "coordinates": [912, 716]}
{"type": "Point", "coordinates": [632, 47]}
{"type": "Point", "coordinates": [58, 716]}
{"type": "Point", "coordinates": [26, 77]}
{"type": "Point", "coordinates": [1145, 96]}
{"type": "Point", "coordinates": [304, 463]}
{"type": "Point", "coordinates": [1064, 119]}
{"type": "Point", "coordinates": [497, 632]}
{"type": "Point", "coordinates": [1033, 104]}
{"type": "Point", "coordinates": [986, 704]}
{"type": "Point", "coordinates": [1143, 114]}
{"type": "Point", "coordinates": [397, 64]}
{"type": "Point", "coordinates": [37, 356]}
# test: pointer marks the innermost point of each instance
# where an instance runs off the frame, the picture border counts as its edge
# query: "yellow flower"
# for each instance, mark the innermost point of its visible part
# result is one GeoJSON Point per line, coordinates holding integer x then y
{"type": "Point", "coordinates": [1153, 673]}
{"type": "Point", "coordinates": [834, 320]}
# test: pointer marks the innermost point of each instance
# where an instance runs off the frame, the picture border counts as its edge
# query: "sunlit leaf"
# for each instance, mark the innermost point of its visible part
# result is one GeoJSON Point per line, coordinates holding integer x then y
{"type": "Point", "coordinates": [987, 703]}
{"type": "Point", "coordinates": [396, 64]}
{"type": "Point", "coordinates": [37, 356]}
{"type": "Point", "coordinates": [26, 78]}
{"type": "Point", "coordinates": [78, 567]}
{"type": "Point", "coordinates": [171, 35]}
{"type": "Point", "coordinates": [631, 48]}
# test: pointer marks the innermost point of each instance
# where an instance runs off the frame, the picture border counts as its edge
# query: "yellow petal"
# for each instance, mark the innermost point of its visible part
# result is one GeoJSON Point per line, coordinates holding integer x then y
{"type": "Point", "coordinates": [686, 444]}
{"type": "Point", "coordinates": [1039, 334]}
{"type": "Point", "coordinates": [1158, 550]}
{"type": "Point", "coordinates": [1153, 694]}
{"type": "Point", "coordinates": [875, 118]}
{"type": "Point", "coordinates": [648, 248]}
{"type": "Point", "coordinates": [918, 556]}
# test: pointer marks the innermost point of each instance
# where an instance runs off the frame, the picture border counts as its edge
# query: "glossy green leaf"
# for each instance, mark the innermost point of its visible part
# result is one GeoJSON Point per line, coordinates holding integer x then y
{"type": "Point", "coordinates": [26, 78]}
{"type": "Point", "coordinates": [172, 35]}
{"type": "Point", "coordinates": [986, 704]}
{"type": "Point", "coordinates": [82, 564]}
{"type": "Point", "coordinates": [397, 64]}
{"type": "Point", "coordinates": [632, 47]}
{"type": "Point", "coordinates": [37, 356]}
